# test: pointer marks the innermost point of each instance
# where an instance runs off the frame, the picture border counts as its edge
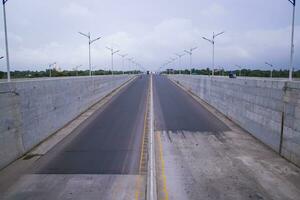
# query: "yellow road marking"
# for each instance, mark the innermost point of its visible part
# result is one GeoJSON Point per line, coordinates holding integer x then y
{"type": "Point", "coordinates": [138, 181]}
{"type": "Point", "coordinates": [165, 190]}
{"type": "Point", "coordinates": [137, 188]}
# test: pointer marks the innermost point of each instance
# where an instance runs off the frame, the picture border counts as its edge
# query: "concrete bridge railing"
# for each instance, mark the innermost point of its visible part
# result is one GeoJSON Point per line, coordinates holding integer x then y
{"type": "Point", "coordinates": [30, 111]}
{"type": "Point", "coordinates": [268, 109]}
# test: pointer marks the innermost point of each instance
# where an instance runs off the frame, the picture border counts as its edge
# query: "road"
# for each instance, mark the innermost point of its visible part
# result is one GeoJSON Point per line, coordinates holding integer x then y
{"type": "Point", "coordinates": [103, 154]}
{"type": "Point", "coordinates": [200, 154]}
{"type": "Point", "coordinates": [109, 143]}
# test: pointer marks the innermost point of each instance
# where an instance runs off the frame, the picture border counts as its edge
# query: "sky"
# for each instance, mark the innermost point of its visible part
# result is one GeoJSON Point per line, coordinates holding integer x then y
{"type": "Point", "coordinates": [256, 31]}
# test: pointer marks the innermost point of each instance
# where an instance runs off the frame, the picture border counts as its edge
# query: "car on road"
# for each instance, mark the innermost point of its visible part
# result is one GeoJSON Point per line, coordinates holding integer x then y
{"type": "Point", "coordinates": [232, 75]}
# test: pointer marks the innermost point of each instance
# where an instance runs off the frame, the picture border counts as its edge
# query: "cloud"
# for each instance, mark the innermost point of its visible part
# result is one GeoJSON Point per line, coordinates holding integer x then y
{"type": "Point", "coordinates": [213, 10]}
{"type": "Point", "coordinates": [163, 41]}
{"type": "Point", "coordinates": [74, 9]}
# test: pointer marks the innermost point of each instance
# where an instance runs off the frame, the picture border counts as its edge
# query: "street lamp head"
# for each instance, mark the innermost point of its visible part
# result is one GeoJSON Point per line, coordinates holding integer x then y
{"type": "Point", "coordinates": [86, 35]}
{"type": "Point", "coordinates": [179, 55]}
{"type": "Point", "coordinates": [207, 40]}
{"type": "Point", "coordinates": [219, 34]}
{"type": "Point", "coordinates": [188, 52]}
{"type": "Point", "coordinates": [293, 2]}
{"type": "Point", "coordinates": [269, 64]}
{"type": "Point", "coordinates": [95, 40]}
{"type": "Point", "coordinates": [114, 52]}
{"type": "Point", "coordinates": [1, 57]}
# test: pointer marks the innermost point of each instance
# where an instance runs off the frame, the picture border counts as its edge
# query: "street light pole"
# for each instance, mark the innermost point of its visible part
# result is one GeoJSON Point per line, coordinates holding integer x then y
{"type": "Point", "coordinates": [190, 52]}
{"type": "Point", "coordinates": [90, 42]}
{"type": "Point", "coordinates": [112, 58]}
{"type": "Point", "coordinates": [123, 56]}
{"type": "Point", "coordinates": [213, 49]}
{"type": "Point", "coordinates": [134, 65]}
{"type": "Point", "coordinates": [179, 60]}
{"type": "Point", "coordinates": [50, 69]}
{"type": "Point", "coordinates": [171, 61]}
{"type": "Point", "coordinates": [293, 2]}
{"type": "Point", "coordinates": [271, 75]}
{"type": "Point", "coordinates": [77, 69]}
{"type": "Point", "coordinates": [240, 74]}
{"type": "Point", "coordinates": [6, 41]}
{"type": "Point", "coordinates": [130, 62]}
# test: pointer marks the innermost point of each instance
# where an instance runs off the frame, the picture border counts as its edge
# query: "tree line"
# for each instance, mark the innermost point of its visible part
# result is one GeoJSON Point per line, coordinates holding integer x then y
{"type": "Point", "coordinates": [244, 72]}
{"type": "Point", "coordinates": [55, 73]}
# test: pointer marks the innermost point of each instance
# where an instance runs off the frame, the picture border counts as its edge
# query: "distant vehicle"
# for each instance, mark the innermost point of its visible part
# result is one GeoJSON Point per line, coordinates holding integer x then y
{"type": "Point", "coordinates": [147, 72]}
{"type": "Point", "coordinates": [232, 75]}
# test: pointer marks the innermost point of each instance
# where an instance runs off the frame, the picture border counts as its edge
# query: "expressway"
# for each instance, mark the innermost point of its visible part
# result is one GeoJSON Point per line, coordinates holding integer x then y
{"type": "Point", "coordinates": [198, 154]}
{"type": "Point", "coordinates": [99, 160]}
{"type": "Point", "coordinates": [108, 143]}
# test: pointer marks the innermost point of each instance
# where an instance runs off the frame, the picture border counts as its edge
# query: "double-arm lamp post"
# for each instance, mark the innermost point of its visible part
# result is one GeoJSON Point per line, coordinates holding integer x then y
{"type": "Point", "coordinates": [179, 60]}
{"type": "Point", "coordinates": [213, 49]}
{"type": "Point", "coordinates": [190, 52]}
{"type": "Point", "coordinates": [123, 56]}
{"type": "Point", "coordinates": [90, 42]}
{"type": "Point", "coordinates": [270, 65]}
{"type": "Point", "coordinates": [112, 58]}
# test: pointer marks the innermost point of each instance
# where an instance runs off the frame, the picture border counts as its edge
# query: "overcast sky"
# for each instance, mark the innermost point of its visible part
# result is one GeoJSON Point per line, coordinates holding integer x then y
{"type": "Point", "coordinates": [45, 31]}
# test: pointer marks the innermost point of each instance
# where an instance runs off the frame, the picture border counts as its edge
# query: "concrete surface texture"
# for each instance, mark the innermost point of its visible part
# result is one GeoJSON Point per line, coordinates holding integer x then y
{"type": "Point", "coordinates": [31, 111]}
{"type": "Point", "coordinates": [268, 109]}
{"type": "Point", "coordinates": [101, 159]}
{"type": "Point", "coordinates": [213, 158]}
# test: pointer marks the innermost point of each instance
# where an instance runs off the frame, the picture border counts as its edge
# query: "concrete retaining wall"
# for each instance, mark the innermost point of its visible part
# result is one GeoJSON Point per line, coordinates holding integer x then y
{"type": "Point", "coordinates": [268, 109]}
{"type": "Point", "coordinates": [30, 111]}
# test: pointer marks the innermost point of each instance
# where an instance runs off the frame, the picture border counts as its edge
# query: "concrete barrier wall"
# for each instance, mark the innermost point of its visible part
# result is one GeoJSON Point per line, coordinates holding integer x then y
{"type": "Point", "coordinates": [268, 109]}
{"type": "Point", "coordinates": [30, 111]}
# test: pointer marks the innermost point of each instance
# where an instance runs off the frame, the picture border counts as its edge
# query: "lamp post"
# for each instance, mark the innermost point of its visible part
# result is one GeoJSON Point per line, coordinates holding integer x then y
{"type": "Point", "coordinates": [190, 52]}
{"type": "Point", "coordinates": [293, 2]}
{"type": "Point", "coordinates": [179, 60]}
{"type": "Point", "coordinates": [6, 41]}
{"type": "Point", "coordinates": [123, 56]}
{"type": "Point", "coordinates": [213, 49]}
{"type": "Point", "coordinates": [171, 61]}
{"type": "Point", "coordinates": [167, 67]}
{"type": "Point", "coordinates": [76, 68]}
{"type": "Point", "coordinates": [50, 68]}
{"type": "Point", "coordinates": [270, 65]}
{"type": "Point", "coordinates": [240, 67]}
{"type": "Point", "coordinates": [130, 61]}
{"type": "Point", "coordinates": [134, 66]}
{"type": "Point", "coordinates": [112, 58]}
{"type": "Point", "coordinates": [90, 42]}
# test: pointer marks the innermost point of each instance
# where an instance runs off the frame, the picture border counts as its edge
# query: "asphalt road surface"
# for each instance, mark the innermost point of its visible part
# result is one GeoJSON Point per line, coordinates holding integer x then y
{"type": "Point", "coordinates": [176, 110]}
{"type": "Point", "coordinates": [200, 155]}
{"type": "Point", "coordinates": [108, 143]}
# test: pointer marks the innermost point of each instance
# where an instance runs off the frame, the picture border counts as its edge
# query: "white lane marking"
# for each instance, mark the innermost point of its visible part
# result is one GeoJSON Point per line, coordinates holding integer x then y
{"type": "Point", "coordinates": [152, 195]}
